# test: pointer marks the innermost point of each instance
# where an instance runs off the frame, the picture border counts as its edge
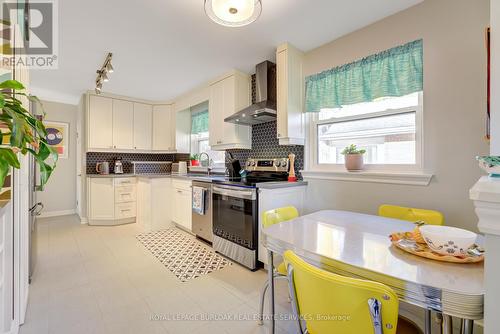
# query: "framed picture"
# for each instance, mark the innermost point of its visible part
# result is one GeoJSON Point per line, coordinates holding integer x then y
{"type": "Point", "coordinates": [58, 137]}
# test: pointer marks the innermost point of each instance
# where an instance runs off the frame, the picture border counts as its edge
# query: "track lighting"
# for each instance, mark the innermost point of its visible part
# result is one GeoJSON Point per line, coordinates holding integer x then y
{"type": "Point", "coordinates": [102, 73]}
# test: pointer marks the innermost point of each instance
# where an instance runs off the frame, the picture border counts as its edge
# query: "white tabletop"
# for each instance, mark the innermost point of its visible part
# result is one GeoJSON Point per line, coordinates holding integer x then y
{"type": "Point", "coordinates": [358, 245]}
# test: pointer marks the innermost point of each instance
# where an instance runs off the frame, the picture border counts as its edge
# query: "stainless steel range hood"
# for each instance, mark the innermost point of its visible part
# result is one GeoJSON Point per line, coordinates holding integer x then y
{"type": "Point", "coordinates": [264, 108]}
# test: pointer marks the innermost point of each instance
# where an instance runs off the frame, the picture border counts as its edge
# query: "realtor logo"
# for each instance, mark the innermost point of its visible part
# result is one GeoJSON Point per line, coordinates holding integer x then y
{"type": "Point", "coordinates": [29, 33]}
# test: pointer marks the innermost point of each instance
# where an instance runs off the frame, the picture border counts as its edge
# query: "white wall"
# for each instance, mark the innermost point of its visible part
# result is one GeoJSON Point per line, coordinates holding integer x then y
{"type": "Point", "coordinates": [495, 77]}
{"type": "Point", "coordinates": [60, 192]}
{"type": "Point", "coordinates": [454, 107]}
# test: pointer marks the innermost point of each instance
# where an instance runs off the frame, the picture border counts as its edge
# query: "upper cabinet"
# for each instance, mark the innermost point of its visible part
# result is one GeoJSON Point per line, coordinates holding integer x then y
{"type": "Point", "coordinates": [164, 128]}
{"type": "Point", "coordinates": [123, 124]}
{"type": "Point", "coordinates": [290, 95]}
{"type": "Point", "coordinates": [119, 124]}
{"type": "Point", "coordinates": [99, 122]}
{"type": "Point", "coordinates": [229, 94]}
{"type": "Point", "coordinates": [143, 126]}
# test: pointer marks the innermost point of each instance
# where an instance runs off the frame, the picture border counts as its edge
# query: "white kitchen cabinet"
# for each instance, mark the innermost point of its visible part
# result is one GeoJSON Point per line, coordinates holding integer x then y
{"type": "Point", "coordinates": [229, 94]}
{"type": "Point", "coordinates": [143, 126]}
{"type": "Point", "coordinates": [164, 128]}
{"type": "Point", "coordinates": [123, 124]}
{"type": "Point", "coordinates": [290, 92]}
{"type": "Point", "coordinates": [100, 122]}
{"type": "Point", "coordinates": [154, 203]}
{"type": "Point", "coordinates": [182, 207]}
{"type": "Point", "coordinates": [111, 201]}
{"type": "Point", "coordinates": [276, 198]}
{"type": "Point", "coordinates": [101, 198]}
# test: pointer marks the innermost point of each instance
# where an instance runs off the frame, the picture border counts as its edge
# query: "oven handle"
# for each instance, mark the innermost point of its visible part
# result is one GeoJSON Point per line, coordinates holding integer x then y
{"type": "Point", "coordinates": [234, 192]}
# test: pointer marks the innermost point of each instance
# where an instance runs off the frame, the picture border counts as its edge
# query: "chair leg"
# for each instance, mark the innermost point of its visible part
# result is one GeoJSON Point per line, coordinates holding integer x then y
{"type": "Point", "coordinates": [262, 299]}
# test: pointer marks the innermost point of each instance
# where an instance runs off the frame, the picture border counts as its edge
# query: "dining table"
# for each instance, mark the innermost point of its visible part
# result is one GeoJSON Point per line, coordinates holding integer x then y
{"type": "Point", "coordinates": [358, 245]}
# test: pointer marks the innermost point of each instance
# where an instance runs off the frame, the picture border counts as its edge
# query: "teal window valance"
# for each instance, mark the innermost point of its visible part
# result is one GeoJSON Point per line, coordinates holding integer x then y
{"type": "Point", "coordinates": [199, 122]}
{"type": "Point", "coordinates": [394, 72]}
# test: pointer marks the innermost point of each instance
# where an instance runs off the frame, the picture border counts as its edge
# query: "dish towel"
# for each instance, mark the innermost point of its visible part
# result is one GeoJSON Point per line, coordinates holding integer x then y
{"type": "Point", "coordinates": [199, 200]}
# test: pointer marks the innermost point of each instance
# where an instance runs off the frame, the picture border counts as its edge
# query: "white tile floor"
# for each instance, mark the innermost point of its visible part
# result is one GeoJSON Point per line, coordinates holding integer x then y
{"type": "Point", "coordinates": [92, 280]}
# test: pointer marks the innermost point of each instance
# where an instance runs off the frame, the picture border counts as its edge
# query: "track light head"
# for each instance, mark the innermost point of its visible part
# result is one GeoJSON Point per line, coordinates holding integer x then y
{"type": "Point", "coordinates": [109, 67]}
{"type": "Point", "coordinates": [104, 76]}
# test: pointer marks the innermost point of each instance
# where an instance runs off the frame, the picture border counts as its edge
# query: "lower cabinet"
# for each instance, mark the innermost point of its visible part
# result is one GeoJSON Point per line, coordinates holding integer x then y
{"type": "Point", "coordinates": [154, 203]}
{"type": "Point", "coordinates": [276, 198]}
{"type": "Point", "coordinates": [182, 199]}
{"type": "Point", "coordinates": [111, 201]}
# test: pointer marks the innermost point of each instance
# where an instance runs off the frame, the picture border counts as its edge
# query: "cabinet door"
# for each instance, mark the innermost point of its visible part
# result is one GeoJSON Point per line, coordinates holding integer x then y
{"type": "Point", "coordinates": [163, 128]}
{"type": "Point", "coordinates": [101, 198]}
{"type": "Point", "coordinates": [282, 93]}
{"type": "Point", "coordinates": [227, 97]}
{"type": "Point", "coordinates": [123, 124]}
{"type": "Point", "coordinates": [182, 208]}
{"type": "Point", "coordinates": [215, 106]}
{"type": "Point", "coordinates": [100, 121]}
{"type": "Point", "coordinates": [143, 124]}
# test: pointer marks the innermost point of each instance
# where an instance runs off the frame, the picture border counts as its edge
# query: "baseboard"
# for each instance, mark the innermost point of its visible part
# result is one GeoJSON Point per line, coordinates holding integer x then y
{"type": "Point", "coordinates": [83, 220]}
{"type": "Point", "coordinates": [48, 214]}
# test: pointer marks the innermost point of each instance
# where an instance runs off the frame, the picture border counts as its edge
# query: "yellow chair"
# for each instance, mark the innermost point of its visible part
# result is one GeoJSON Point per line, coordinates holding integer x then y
{"type": "Point", "coordinates": [430, 217]}
{"type": "Point", "coordinates": [269, 218]}
{"type": "Point", "coordinates": [330, 303]}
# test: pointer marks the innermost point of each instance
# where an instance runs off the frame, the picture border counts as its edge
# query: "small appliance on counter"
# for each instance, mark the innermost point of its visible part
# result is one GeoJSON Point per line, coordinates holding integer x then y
{"type": "Point", "coordinates": [118, 169]}
{"type": "Point", "coordinates": [102, 168]}
{"type": "Point", "coordinates": [179, 167]}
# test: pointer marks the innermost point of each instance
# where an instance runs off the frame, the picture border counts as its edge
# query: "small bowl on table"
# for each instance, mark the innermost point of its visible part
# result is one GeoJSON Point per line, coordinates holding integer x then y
{"type": "Point", "coordinates": [447, 240]}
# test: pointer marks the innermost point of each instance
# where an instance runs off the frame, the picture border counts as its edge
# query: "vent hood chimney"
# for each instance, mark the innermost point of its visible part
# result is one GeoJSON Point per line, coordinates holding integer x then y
{"type": "Point", "coordinates": [264, 108]}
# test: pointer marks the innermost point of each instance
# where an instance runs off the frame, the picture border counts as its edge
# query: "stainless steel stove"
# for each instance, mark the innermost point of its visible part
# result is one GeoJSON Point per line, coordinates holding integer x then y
{"type": "Point", "coordinates": [235, 209]}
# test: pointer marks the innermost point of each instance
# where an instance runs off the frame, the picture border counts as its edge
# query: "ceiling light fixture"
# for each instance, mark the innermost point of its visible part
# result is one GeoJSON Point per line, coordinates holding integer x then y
{"type": "Point", "coordinates": [233, 13]}
{"type": "Point", "coordinates": [102, 74]}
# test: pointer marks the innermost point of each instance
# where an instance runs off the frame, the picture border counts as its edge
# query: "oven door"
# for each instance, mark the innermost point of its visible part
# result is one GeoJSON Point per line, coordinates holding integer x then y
{"type": "Point", "coordinates": [235, 214]}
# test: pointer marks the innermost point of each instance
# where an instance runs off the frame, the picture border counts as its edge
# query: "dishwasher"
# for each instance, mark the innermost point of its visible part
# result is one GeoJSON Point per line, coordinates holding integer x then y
{"type": "Point", "coordinates": [202, 221]}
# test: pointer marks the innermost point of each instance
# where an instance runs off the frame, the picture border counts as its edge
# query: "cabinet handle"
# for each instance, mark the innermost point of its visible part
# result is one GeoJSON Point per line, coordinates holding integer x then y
{"type": "Point", "coordinates": [125, 210]}
{"type": "Point", "coordinates": [279, 135]}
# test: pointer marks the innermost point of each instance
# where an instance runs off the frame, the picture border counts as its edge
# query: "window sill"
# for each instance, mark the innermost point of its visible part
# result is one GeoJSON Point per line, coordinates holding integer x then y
{"type": "Point", "coordinates": [413, 178]}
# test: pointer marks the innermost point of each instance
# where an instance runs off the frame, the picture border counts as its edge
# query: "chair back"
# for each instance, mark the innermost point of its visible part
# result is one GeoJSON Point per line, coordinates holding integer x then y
{"type": "Point", "coordinates": [279, 215]}
{"type": "Point", "coordinates": [430, 217]}
{"type": "Point", "coordinates": [331, 303]}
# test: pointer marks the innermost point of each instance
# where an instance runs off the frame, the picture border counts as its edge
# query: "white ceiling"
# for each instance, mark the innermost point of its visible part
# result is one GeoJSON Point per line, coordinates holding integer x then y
{"type": "Point", "coordinates": [164, 48]}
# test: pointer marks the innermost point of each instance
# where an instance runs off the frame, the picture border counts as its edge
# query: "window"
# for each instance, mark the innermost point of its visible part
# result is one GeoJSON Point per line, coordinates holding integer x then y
{"type": "Point", "coordinates": [389, 129]}
{"type": "Point", "coordinates": [199, 144]}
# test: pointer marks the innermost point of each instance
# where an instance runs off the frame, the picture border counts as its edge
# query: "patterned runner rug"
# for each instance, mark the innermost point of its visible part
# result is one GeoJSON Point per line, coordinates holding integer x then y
{"type": "Point", "coordinates": [182, 254]}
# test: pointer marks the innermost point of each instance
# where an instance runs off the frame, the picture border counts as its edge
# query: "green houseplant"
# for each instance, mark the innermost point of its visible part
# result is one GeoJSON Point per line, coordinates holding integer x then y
{"type": "Point", "coordinates": [353, 158]}
{"type": "Point", "coordinates": [195, 159]}
{"type": "Point", "coordinates": [22, 132]}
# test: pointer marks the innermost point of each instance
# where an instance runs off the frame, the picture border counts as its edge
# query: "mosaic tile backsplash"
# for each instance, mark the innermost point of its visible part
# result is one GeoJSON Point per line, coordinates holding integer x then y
{"type": "Point", "coordinates": [93, 158]}
{"type": "Point", "coordinates": [265, 145]}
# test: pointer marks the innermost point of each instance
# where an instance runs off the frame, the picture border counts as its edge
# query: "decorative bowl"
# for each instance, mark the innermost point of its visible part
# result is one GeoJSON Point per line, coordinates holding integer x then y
{"type": "Point", "coordinates": [448, 240]}
{"type": "Point", "coordinates": [490, 164]}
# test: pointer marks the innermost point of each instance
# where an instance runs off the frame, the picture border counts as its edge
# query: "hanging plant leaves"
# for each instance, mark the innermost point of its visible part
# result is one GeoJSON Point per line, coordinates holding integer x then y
{"type": "Point", "coordinates": [27, 133]}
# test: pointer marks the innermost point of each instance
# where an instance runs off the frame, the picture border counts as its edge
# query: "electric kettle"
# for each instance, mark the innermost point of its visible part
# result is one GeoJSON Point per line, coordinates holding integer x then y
{"type": "Point", "coordinates": [102, 167]}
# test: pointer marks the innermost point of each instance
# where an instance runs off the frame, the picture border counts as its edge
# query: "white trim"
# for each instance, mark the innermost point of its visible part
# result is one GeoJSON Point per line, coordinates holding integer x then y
{"type": "Point", "coordinates": [84, 220]}
{"type": "Point", "coordinates": [416, 179]}
{"type": "Point", "coordinates": [57, 213]}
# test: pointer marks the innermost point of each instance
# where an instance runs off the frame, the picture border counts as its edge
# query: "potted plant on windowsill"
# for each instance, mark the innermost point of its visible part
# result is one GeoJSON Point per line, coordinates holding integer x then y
{"type": "Point", "coordinates": [194, 159]}
{"type": "Point", "coordinates": [22, 132]}
{"type": "Point", "coordinates": [353, 158]}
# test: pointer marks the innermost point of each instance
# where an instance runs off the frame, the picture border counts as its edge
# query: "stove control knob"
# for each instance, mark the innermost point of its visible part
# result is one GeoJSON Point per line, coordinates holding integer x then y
{"type": "Point", "coordinates": [248, 163]}
{"type": "Point", "coordinates": [277, 163]}
{"type": "Point", "coordinates": [253, 163]}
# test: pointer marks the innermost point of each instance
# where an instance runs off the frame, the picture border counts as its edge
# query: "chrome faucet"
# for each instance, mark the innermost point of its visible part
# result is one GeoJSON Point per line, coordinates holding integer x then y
{"type": "Point", "coordinates": [209, 167]}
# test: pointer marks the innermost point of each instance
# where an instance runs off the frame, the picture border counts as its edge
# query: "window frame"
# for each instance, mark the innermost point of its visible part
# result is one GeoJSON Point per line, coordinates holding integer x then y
{"type": "Point", "coordinates": [312, 148]}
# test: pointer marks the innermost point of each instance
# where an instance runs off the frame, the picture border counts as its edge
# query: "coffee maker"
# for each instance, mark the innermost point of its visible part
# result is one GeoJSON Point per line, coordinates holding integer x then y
{"type": "Point", "coordinates": [118, 169]}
